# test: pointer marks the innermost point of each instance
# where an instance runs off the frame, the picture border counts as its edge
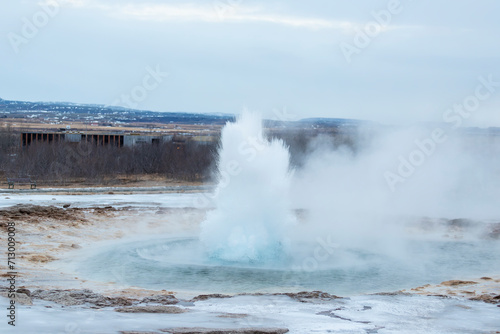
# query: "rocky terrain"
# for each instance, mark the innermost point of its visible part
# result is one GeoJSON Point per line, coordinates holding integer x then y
{"type": "Point", "coordinates": [55, 231]}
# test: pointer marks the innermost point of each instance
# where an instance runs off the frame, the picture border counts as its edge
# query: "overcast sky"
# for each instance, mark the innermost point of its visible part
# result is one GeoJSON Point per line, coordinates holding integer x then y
{"type": "Point", "coordinates": [318, 58]}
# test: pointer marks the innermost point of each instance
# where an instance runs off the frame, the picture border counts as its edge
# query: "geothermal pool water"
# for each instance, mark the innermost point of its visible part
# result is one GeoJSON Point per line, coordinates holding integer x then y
{"type": "Point", "coordinates": [180, 264]}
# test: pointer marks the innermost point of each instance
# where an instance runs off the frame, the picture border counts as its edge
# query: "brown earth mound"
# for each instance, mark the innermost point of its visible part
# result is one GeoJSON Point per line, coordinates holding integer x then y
{"type": "Point", "coordinates": [457, 282]}
{"type": "Point", "coordinates": [303, 297]}
{"type": "Point", "coordinates": [33, 213]}
{"type": "Point", "coordinates": [80, 297]}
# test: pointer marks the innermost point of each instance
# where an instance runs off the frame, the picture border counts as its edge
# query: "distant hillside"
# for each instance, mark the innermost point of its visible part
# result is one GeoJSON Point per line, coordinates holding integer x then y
{"type": "Point", "coordinates": [110, 113]}
{"type": "Point", "coordinates": [334, 121]}
{"type": "Point", "coordinates": [86, 112]}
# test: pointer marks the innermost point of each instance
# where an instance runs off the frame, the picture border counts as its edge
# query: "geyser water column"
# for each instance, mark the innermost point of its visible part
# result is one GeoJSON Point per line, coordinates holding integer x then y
{"type": "Point", "coordinates": [252, 210]}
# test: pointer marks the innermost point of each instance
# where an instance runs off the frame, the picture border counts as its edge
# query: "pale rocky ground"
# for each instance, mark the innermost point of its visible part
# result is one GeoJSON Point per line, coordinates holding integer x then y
{"type": "Point", "coordinates": [486, 289]}
{"type": "Point", "coordinates": [52, 229]}
{"type": "Point", "coordinates": [48, 233]}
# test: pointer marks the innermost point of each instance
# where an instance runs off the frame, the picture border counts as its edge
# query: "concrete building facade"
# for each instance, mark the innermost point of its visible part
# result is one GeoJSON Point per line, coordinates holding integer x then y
{"type": "Point", "coordinates": [100, 139]}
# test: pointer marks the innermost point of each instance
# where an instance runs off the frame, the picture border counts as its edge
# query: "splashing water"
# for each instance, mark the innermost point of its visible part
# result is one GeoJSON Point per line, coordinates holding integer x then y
{"type": "Point", "coordinates": [252, 208]}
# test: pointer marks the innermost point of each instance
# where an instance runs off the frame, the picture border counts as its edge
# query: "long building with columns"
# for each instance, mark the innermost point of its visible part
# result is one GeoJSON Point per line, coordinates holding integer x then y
{"type": "Point", "coordinates": [100, 139]}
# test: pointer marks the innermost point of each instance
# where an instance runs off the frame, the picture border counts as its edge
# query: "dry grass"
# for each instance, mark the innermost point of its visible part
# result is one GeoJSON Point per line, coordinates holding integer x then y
{"type": "Point", "coordinates": [158, 128]}
{"type": "Point", "coordinates": [143, 180]}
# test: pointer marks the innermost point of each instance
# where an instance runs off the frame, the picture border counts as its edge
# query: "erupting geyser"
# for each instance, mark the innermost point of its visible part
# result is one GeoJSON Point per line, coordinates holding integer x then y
{"type": "Point", "coordinates": [353, 236]}
{"type": "Point", "coordinates": [252, 209]}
